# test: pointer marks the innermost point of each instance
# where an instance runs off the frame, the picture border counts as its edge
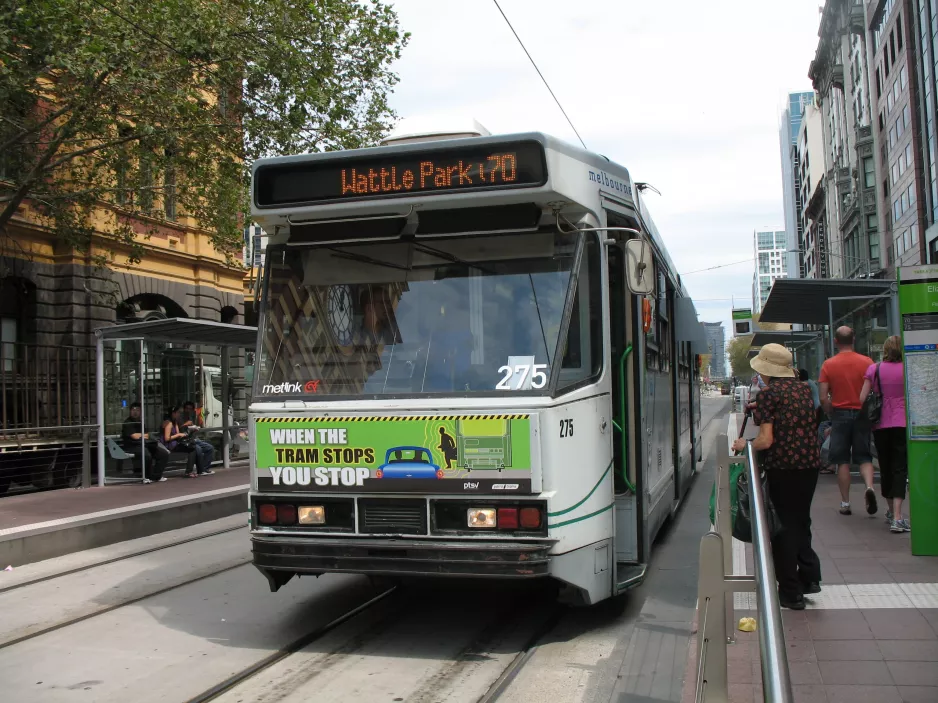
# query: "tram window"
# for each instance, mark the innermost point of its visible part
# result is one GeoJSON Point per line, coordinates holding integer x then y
{"type": "Point", "coordinates": [582, 357]}
{"type": "Point", "coordinates": [442, 315]}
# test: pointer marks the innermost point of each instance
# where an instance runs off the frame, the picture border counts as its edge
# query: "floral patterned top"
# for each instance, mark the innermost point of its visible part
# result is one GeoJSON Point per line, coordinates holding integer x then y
{"type": "Point", "coordinates": [788, 405]}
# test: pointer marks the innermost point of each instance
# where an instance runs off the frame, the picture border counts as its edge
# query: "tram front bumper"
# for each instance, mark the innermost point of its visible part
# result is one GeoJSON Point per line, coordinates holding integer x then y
{"type": "Point", "coordinates": [299, 555]}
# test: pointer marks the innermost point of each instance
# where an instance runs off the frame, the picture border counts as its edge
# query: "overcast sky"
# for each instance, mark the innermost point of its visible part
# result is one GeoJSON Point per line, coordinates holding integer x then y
{"type": "Point", "coordinates": [685, 94]}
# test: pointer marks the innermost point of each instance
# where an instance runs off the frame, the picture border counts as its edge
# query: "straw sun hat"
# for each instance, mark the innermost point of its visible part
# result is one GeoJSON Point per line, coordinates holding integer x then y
{"type": "Point", "coordinates": [773, 360]}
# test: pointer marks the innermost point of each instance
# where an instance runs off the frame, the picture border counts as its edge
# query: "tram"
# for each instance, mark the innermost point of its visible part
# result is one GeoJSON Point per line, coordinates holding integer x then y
{"type": "Point", "coordinates": [475, 359]}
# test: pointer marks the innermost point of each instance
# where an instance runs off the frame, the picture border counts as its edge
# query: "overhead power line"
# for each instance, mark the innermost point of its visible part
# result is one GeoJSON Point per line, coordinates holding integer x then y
{"type": "Point", "coordinates": [720, 266]}
{"type": "Point", "coordinates": [546, 84]}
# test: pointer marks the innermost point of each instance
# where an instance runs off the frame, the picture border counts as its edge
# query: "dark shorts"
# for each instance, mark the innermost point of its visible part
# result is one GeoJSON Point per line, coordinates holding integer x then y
{"type": "Point", "coordinates": [850, 438]}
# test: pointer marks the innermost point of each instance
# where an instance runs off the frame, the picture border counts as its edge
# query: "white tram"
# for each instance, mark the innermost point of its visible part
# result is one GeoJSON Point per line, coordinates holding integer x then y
{"type": "Point", "coordinates": [475, 358]}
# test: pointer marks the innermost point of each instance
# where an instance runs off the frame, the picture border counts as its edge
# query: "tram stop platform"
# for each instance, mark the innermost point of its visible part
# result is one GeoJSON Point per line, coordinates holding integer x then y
{"type": "Point", "coordinates": [49, 524]}
{"type": "Point", "coordinates": [870, 636]}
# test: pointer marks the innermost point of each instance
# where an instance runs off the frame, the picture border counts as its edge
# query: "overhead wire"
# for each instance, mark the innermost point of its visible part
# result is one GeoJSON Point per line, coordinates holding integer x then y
{"type": "Point", "coordinates": [533, 63]}
{"type": "Point", "coordinates": [719, 266]}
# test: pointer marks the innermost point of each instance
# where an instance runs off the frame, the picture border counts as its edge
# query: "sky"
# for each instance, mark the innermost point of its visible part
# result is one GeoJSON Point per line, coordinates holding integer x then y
{"type": "Point", "coordinates": [687, 95]}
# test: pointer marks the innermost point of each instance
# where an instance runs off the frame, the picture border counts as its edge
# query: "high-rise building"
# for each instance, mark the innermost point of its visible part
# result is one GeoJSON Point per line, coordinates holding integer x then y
{"type": "Point", "coordinates": [927, 79]}
{"type": "Point", "coordinates": [791, 175]}
{"type": "Point", "coordinates": [254, 245]}
{"type": "Point", "coordinates": [898, 68]}
{"type": "Point", "coordinates": [841, 77]}
{"type": "Point", "coordinates": [812, 197]}
{"type": "Point", "coordinates": [770, 248]}
{"type": "Point", "coordinates": [716, 343]}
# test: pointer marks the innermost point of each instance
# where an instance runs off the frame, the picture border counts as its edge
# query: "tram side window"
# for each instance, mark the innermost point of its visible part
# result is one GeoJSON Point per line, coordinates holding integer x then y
{"type": "Point", "coordinates": [582, 351]}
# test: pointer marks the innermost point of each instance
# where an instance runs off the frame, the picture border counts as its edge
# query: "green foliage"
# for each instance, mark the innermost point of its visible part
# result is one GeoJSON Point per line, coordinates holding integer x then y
{"type": "Point", "coordinates": [738, 350]}
{"type": "Point", "coordinates": [148, 105]}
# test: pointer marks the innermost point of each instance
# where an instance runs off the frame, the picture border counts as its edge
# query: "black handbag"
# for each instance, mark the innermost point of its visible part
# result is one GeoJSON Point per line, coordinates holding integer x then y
{"type": "Point", "coordinates": [873, 405]}
{"type": "Point", "coordinates": [742, 525]}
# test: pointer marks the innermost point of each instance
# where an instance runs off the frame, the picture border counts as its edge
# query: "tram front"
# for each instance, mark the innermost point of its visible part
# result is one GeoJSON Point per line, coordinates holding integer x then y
{"type": "Point", "coordinates": [431, 395]}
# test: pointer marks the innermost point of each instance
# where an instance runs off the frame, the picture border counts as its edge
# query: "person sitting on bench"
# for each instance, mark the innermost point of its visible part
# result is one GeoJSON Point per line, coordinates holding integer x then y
{"type": "Point", "coordinates": [205, 452]}
{"type": "Point", "coordinates": [131, 434]}
{"type": "Point", "coordinates": [176, 440]}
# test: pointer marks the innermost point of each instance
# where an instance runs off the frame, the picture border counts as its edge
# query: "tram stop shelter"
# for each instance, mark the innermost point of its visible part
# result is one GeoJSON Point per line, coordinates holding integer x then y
{"type": "Point", "coordinates": [125, 369]}
{"type": "Point", "coordinates": [820, 306]}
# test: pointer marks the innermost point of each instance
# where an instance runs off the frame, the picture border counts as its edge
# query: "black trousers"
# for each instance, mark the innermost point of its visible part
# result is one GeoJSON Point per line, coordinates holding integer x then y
{"type": "Point", "coordinates": [796, 564]}
{"type": "Point", "coordinates": [157, 458]}
{"type": "Point", "coordinates": [893, 461]}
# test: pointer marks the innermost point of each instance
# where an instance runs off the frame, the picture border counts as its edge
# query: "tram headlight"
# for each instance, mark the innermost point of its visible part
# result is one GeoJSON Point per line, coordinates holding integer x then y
{"type": "Point", "coordinates": [312, 515]}
{"type": "Point", "coordinates": [480, 517]}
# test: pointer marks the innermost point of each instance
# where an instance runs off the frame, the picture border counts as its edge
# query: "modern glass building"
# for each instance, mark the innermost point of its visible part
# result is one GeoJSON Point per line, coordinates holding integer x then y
{"type": "Point", "coordinates": [770, 249]}
{"type": "Point", "coordinates": [789, 126]}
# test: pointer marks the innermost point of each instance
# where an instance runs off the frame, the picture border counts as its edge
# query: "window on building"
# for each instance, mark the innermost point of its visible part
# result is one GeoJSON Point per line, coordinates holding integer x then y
{"type": "Point", "coordinates": [892, 46]}
{"type": "Point", "coordinates": [903, 202]}
{"type": "Point", "coordinates": [907, 116]}
{"type": "Point", "coordinates": [869, 172]}
{"type": "Point", "coordinates": [169, 193]}
{"type": "Point", "coordinates": [899, 31]}
{"type": "Point", "coordinates": [892, 136]}
{"type": "Point", "coordinates": [911, 194]}
{"type": "Point", "coordinates": [763, 263]}
{"type": "Point", "coordinates": [766, 240]}
{"type": "Point", "coordinates": [908, 154]}
{"type": "Point", "coordinates": [7, 342]}
{"type": "Point", "coordinates": [913, 236]}
{"type": "Point", "coordinates": [903, 77]}
{"type": "Point", "coordinates": [895, 92]}
{"type": "Point", "coordinates": [879, 92]}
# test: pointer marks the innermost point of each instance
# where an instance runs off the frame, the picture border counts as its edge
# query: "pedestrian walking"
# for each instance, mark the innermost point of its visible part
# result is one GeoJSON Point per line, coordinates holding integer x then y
{"type": "Point", "coordinates": [791, 458]}
{"type": "Point", "coordinates": [841, 381]}
{"type": "Point", "coordinates": [887, 378]}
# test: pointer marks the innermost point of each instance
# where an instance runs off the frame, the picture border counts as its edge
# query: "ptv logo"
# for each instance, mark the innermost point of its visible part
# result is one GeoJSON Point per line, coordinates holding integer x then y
{"type": "Point", "coordinates": [289, 387]}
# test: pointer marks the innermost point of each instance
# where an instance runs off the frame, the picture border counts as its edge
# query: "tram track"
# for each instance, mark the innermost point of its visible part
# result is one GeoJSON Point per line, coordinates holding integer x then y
{"type": "Point", "coordinates": [513, 627]}
{"type": "Point", "coordinates": [115, 606]}
{"type": "Point", "coordinates": [114, 560]}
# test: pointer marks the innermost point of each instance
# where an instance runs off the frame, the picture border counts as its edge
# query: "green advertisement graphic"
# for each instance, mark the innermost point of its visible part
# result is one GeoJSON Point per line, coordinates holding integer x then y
{"type": "Point", "coordinates": [407, 453]}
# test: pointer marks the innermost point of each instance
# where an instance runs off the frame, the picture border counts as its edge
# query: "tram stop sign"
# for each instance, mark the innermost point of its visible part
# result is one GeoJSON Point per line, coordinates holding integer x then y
{"type": "Point", "coordinates": [742, 322]}
{"type": "Point", "coordinates": [918, 306]}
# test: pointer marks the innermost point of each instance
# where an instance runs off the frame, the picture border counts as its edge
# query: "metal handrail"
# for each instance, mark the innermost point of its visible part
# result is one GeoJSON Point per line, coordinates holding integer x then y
{"type": "Point", "coordinates": [717, 585]}
{"type": "Point", "coordinates": [776, 682]}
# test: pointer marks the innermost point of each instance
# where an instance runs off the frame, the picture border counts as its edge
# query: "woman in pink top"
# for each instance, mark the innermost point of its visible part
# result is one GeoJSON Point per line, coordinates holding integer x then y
{"type": "Point", "coordinates": [889, 432]}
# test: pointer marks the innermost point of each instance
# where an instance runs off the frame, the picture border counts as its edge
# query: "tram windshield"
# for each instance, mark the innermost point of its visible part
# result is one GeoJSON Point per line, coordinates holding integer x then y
{"type": "Point", "coordinates": [455, 315]}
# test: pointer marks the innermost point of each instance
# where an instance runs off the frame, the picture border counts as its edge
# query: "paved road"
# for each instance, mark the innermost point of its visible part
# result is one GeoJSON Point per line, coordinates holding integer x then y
{"type": "Point", "coordinates": [170, 624]}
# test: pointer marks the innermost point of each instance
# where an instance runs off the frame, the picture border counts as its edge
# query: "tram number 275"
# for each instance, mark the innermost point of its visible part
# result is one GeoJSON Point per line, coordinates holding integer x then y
{"type": "Point", "coordinates": [566, 428]}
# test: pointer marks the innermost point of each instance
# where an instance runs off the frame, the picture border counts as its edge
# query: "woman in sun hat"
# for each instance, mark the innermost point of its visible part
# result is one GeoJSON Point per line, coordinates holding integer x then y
{"type": "Point", "coordinates": [790, 456]}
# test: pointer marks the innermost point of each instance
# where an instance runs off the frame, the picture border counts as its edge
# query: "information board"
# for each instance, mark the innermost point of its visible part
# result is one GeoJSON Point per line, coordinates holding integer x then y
{"type": "Point", "coordinates": [918, 306]}
{"type": "Point", "coordinates": [742, 322]}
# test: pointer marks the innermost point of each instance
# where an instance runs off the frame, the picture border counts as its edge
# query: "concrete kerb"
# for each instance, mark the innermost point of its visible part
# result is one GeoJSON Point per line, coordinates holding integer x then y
{"type": "Point", "coordinates": [47, 540]}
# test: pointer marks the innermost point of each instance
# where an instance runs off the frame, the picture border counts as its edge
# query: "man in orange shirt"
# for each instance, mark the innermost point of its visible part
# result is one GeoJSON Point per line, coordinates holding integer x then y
{"type": "Point", "coordinates": [842, 379]}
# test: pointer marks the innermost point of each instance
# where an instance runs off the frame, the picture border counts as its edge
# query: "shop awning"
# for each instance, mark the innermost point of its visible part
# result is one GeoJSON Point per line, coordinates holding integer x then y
{"type": "Point", "coordinates": [784, 337]}
{"type": "Point", "coordinates": [805, 300]}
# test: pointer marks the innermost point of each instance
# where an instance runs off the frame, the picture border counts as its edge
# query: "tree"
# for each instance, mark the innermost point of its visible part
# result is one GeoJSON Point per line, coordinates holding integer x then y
{"type": "Point", "coordinates": [705, 364]}
{"type": "Point", "coordinates": [738, 347]}
{"type": "Point", "coordinates": [738, 350]}
{"type": "Point", "coordinates": [117, 108]}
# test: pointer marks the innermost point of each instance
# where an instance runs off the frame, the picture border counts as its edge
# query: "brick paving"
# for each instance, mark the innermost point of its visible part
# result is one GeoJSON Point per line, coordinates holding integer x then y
{"type": "Point", "coordinates": [856, 648]}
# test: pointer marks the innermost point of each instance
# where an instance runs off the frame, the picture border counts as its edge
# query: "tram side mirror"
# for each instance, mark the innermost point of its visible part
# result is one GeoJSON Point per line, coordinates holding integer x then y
{"type": "Point", "coordinates": [639, 268]}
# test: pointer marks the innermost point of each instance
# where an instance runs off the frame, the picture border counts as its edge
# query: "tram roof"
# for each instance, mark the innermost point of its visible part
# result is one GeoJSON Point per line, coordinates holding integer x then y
{"type": "Point", "coordinates": [551, 143]}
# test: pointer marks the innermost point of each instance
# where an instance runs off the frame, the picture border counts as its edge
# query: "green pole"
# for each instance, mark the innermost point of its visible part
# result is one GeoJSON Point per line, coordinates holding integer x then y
{"type": "Point", "coordinates": [918, 308]}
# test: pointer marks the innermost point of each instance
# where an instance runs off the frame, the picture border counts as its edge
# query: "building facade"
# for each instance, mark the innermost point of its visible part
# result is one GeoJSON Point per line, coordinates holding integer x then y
{"type": "Point", "coordinates": [841, 79]}
{"type": "Point", "coordinates": [789, 129]}
{"type": "Point", "coordinates": [716, 343]}
{"type": "Point", "coordinates": [897, 100]}
{"type": "Point", "coordinates": [812, 197]}
{"type": "Point", "coordinates": [770, 249]}
{"type": "Point", "coordinates": [926, 31]}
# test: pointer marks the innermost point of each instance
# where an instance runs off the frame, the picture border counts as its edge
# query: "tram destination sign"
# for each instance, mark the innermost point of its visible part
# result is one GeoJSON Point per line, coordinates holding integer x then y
{"type": "Point", "coordinates": [471, 168]}
{"type": "Point", "coordinates": [399, 453]}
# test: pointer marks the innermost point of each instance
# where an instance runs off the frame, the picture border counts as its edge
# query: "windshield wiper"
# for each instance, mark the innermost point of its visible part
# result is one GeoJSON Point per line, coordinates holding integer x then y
{"type": "Point", "coordinates": [452, 258]}
{"type": "Point", "coordinates": [361, 258]}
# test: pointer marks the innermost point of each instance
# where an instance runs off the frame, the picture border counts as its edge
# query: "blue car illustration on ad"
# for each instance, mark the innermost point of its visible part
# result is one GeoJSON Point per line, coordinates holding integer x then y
{"type": "Point", "coordinates": [408, 462]}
